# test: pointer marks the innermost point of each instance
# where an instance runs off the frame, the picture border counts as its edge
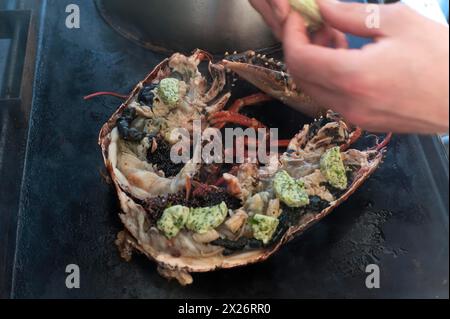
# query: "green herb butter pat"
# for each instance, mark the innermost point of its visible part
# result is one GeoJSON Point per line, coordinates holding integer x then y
{"type": "Point", "coordinates": [169, 91]}
{"type": "Point", "coordinates": [332, 167]}
{"type": "Point", "coordinates": [264, 227]}
{"type": "Point", "coordinates": [173, 220]}
{"type": "Point", "coordinates": [290, 191]}
{"type": "Point", "coordinates": [202, 220]}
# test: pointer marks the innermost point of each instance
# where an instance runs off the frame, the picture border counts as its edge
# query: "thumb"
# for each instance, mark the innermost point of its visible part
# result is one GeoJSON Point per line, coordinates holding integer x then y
{"type": "Point", "coordinates": [355, 18]}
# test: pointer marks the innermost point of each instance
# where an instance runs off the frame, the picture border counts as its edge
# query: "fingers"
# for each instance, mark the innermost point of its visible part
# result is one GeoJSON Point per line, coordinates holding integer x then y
{"type": "Point", "coordinates": [267, 12]}
{"type": "Point", "coordinates": [295, 29]}
{"type": "Point", "coordinates": [276, 12]}
{"type": "Point", "coordinates": [322, 95]}
{"type": "Point", "coordinates": [365, 20]}
{"type": "Point", "coordinates": [354, 18]}
{"type": "Point", "coordinates": [312, 63]}
{"type": "Point", "coordinates": [324, 37]}
{"type": "Point", "coordinates": [339, 102]}
{"type": "Point", "coordinates": [340, 40]}
{"type": "Point", "coordinates": [281, 9]}
{"type": "Point", "coordinates": [329, 37]}
{"type": "Point", "coordinates": [349, 108]}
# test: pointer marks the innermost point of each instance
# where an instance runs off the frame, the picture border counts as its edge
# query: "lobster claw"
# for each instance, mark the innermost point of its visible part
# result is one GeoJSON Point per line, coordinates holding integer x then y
{"type": "Point", "coordinates": [277, 84]}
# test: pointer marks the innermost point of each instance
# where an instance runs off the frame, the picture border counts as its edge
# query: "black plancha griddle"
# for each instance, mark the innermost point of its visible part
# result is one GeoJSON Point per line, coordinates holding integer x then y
{"type": "Point", "coordinates": [68, 214]}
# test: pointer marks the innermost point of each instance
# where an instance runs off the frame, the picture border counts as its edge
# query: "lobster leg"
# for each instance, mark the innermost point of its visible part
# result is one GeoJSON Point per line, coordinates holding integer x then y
{"type": "Point", "coordinates": [219, 120]}
{"type": "Point", "coordinates": [356, 135]}
{"type": "Point", "coordinates": [284, 143]}
{"type": "Point", "coordinates": [248, 101]}
{"type": "Point", "coordinates": [279, 143]}
{"type": "Point", "coordinates": [202, 55]}
{"type": "Point", "coordinates": [188, 188]}
{"type": "Point", "coordinates": [384, 143]}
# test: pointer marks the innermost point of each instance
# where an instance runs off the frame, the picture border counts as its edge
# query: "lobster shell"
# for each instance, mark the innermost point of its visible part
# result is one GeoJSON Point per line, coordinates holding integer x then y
{"type": "Point", "coordinates": [133, 214]}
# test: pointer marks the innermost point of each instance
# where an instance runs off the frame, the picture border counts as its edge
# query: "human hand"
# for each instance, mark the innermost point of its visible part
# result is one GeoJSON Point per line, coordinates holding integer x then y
{"type": "Point", "coordinates": [276, 12]}
{"type": "Point", "coordinates": [398, 83]}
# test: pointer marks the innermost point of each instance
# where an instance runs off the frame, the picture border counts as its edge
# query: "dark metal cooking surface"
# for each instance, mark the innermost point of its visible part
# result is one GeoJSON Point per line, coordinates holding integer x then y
{"type": "Point", "coordinates": [68, 214]}
{"type": "Point", "coordinates": [17, 52]}
{"type": "Point", "coordinates": [185, 25]}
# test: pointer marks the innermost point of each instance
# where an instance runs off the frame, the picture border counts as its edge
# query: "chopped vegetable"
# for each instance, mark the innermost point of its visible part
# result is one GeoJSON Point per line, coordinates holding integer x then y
{"type": "Point", "coordinates": [332, 167]}
{"type": "Point", "coordinates": [290, 191]}
{"type": "Point", "coordinates": [173, 220]}
{"type": "Point", "coordinates": [264, 227]}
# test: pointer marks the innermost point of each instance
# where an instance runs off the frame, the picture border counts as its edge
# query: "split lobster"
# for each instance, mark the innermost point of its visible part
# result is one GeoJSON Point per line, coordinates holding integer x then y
{"type": "Point", "coordinates": [254, 214]}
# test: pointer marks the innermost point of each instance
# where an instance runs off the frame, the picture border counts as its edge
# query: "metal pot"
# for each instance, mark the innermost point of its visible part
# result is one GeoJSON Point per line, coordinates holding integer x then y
{"type": "Point", "coordinates": [184, 25]}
